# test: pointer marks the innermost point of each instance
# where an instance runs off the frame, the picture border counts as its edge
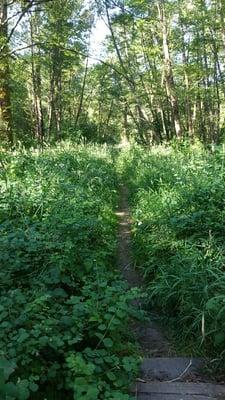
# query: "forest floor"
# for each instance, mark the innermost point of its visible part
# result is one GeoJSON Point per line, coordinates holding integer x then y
{"type": "Point", "coordinates": [163, 375]}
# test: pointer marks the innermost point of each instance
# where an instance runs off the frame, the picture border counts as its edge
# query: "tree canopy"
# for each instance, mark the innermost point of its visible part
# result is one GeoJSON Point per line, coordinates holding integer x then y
{"type": "Point", "coordinates": [161, 75]}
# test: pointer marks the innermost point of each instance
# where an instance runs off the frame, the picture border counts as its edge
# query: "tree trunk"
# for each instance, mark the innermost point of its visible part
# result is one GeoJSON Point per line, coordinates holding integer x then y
{"type": "Point", "coordinates": [169, 79]}
{"type": "Point", "coordinates": [222, 19]}
{"type": "Point", "coordinates": [55, 119]}
{"type": "Point", "coordinates": [81, 95]}
{"type": "Point", "coordinates": [36, 80]}
{"type": "Point", "coordinates": [143, 120]}
{"type": "Point", "coordinates": [188, 108]}
{"type": "Point", "coordinates": [5, 103]}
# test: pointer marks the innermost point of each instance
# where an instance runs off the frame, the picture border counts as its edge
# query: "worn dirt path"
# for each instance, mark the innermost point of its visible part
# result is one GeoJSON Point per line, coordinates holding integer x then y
{"type": "Point", "coordinates": [152, 341]}
{"type": "Point", "coordinates": [163, 376]}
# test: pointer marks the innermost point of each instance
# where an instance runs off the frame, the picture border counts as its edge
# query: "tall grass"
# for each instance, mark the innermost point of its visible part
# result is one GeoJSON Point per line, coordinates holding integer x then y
{"type": "Point", "coordinates": [178, 201]}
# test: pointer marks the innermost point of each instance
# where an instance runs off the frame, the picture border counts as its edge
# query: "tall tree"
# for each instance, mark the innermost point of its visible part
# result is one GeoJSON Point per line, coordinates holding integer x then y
{"type": "Point", "coordinates": [5, 103]}
{"type": "Point", "coordinates": [168, 70]}
{"type": "Point", "coordinates": [36, 76]}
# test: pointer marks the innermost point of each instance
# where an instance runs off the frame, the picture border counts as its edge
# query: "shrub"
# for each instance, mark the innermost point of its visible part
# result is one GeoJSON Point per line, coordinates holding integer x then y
{"type": "Point", "coordinates": [64, 309]}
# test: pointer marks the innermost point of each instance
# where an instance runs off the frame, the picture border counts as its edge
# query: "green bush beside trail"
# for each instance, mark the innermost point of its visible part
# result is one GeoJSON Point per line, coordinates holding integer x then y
{"type": "Point", "coordinates": [63, 307]}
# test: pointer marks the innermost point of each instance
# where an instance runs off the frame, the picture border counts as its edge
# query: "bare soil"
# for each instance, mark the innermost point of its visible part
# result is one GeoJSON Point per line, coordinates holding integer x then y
{"type": "Point", "coordinates": [152, 341]}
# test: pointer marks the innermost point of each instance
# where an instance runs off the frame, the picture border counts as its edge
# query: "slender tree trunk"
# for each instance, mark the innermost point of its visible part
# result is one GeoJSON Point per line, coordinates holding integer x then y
{"type": "Point", "coordinates": [142, 116]}
{"type": "Point", "coordinates": [188, 108]}
{"type": "Point", "coordinates": [169, 79]}
{"type": "Point", "coordinates": [222, 19]}
{"type": "Point", "coordinates": [36, 79]}
{"type": "Point", "coordinates": [157, 123]}
{"type": "Point", "coordinates": [5, 103]}
{"type": "Point", "coordinates": [55, 119]}
{"type": "Point", "coordinates": [217, 104]}
{"type": "Point", "coordinates": [218, 84]}
{"type": "Point", "coordinates": [153, 77]}
{"type": "Point", "coordinates": [109, 115]}
{"type": "Point", "coordinates": [79, 110]}
{"type": "Point", "coordinates": [125, 122]}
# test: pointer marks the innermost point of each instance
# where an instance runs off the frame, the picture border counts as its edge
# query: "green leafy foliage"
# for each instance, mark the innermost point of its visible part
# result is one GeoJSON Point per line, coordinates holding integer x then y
{"type": "Point", "coordinates": [179, 218]}
{"type": "Point", "coordinates": [63, 307]}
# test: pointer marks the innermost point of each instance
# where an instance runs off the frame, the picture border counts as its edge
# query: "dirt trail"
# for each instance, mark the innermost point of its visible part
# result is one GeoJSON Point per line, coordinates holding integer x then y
{"type": "Point", "coordinates": [163, 376]}
{"type": "Point", "coordinates": [152, 341]}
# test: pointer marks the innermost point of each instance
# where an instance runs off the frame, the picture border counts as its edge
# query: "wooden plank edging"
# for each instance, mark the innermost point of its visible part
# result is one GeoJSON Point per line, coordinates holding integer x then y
{"type": "Point", "coordinates": [182, 388]}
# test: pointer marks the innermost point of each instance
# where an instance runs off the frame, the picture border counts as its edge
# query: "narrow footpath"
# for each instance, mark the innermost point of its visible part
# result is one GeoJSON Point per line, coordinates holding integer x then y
{"type": "Point", "coordinates": [163, 376]}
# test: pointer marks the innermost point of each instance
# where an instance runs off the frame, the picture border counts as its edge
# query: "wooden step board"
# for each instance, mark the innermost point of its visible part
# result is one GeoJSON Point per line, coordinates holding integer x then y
{"type": "Point", "coordinates": [166, 369]}
{"type": "Point", "coordinates": [179, 391]}
{"type": "Point", "coordinates": [175, 379]}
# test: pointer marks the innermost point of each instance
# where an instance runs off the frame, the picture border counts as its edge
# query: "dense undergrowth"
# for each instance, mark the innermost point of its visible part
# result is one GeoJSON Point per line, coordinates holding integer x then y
{"type": "Point", "coordinates": [178, 200]}
{"type": "Point", "coordinates": [63, 307]}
